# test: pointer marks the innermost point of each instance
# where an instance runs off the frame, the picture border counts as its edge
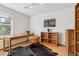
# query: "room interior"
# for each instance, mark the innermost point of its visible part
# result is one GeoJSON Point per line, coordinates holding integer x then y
{"type": "Point", "coordinates": [49, 28]}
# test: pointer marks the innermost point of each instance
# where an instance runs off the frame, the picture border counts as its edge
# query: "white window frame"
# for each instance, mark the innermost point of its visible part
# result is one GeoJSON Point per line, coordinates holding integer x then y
{"type": "Point", "coordinates": [11, 24]}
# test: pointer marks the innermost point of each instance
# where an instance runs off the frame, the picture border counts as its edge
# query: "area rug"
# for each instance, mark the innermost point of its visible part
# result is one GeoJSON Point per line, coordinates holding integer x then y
{"type": "Point", "coordinates": [35, 49]}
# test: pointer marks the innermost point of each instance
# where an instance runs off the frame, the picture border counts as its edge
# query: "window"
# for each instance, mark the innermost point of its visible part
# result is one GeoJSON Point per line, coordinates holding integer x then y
{"type": "Point", "coordinates": [5, 26]}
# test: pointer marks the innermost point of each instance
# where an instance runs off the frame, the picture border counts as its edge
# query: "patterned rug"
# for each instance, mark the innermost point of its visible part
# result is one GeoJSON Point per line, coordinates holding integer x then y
{"type": "Point", "coordinates": [35, 49]}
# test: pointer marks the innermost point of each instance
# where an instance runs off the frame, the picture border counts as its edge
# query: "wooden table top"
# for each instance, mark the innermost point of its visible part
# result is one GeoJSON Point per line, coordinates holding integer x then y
{"type": "Point", "coordinates": [15, 36]}
{"type": "Point", "coordinates": [1, 37]}
{"type": "Point", "coordinates": [34, 37]}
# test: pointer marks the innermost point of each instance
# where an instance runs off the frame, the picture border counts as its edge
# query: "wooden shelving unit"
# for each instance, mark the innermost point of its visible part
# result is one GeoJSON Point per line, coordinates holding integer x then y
{"type": "Point", "coordinates": [49, 37]}
{"type": "Point", "coordinates": [77, 30]}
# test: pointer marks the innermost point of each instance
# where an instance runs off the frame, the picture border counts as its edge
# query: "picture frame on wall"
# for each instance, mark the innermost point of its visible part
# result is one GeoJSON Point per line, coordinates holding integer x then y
{"type": "Point", "coordinates": [50, 23]}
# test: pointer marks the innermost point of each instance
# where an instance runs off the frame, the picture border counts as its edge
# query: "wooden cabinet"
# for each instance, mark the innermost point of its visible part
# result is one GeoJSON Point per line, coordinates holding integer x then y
{"type": "Point", "coordinates": [49, 37]}
{"type": "Point", "coordinates": [77, 29]}
{"type": "Point", "coordinates": [73, 44]}
{"type": "Point", "coordinates": [70, 41]}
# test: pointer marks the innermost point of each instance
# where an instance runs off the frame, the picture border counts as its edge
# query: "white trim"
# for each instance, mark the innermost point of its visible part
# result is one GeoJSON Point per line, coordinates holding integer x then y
{"type": "Point", "coordinates": [12, 25]}
{"type": "Point", "coordinates": [5, 24]}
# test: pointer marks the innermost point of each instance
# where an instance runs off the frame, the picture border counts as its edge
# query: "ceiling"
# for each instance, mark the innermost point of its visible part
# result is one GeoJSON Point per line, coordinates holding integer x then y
{"type": "Point", "coordinates": [38, 8]}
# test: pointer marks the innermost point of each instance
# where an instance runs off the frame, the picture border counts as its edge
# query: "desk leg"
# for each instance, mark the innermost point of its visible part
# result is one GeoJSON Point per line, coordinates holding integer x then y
{"type": "Point", "coordinates": [9, 45]}
{"type": "Point", "coordinates": [3, 44]}
{"type": "Point", "coordinates": [29, 40]}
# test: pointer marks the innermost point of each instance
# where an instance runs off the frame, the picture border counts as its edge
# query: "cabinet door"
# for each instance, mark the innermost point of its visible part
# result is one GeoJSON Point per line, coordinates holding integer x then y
{"type": "Point", "coordinates": [44, 37]}
{"type": "Point", "coordinates": [70, 42]}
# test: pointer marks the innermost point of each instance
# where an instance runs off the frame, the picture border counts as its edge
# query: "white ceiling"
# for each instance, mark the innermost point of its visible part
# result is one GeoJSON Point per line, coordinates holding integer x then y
{"type": "Point", "coordinates": [45, 8]}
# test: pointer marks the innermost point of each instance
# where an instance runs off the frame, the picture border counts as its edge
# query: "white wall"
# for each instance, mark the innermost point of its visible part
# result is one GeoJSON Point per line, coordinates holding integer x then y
{"type": "Point", "coordinates": [64, 20]}
{"type": "Point", "coordinates": [20, 22]}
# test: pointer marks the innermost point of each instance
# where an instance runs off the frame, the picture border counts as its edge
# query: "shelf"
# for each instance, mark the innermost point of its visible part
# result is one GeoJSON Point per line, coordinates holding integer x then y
{"type": "Point", "coordinates": [52, 39]}
{"type": "Point", "coordinates": [77, 20]}
{"type": "Point", "coordinates": [77, 31]}
{"type": "Point", "coordinates": [77, 42]}
{"type": "Point", "coordinates": [77, 53]}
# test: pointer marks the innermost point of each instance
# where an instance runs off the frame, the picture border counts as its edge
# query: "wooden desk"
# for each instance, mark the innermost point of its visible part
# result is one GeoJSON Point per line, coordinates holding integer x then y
{"type": "Point", "coordinates": [34, 39]}
{"type": "Point", "coordinates": [2, 38]}
{"type": "Point", "coordinates": [10, 38]}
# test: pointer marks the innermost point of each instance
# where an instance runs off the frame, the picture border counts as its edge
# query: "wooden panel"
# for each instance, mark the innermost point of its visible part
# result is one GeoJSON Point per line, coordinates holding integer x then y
{"type": "Point", "coordinates": [77, 47]}
{"type": "Point", "coordinates": [34, 39]}
{"type": "Point", "coordinates": [70, 42]}
{"type": "Point", "coordinates": [77, 53]}
{"type": "Point", "coordinates": [52, 35]}
{"type": "Point", "coordinates": [78, 25]}
{"type": "Point", "coordinates": [77, 36]}
{"type": "Point", "coordinates": [77, 12]}
{"type": "Point", "coordinates": [44, 35]}
{"type": "Point", "coordinates": [44, 40]}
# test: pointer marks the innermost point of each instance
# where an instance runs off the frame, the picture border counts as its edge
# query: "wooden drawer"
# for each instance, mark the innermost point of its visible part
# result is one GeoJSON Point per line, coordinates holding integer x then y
{"type": "Point", "coordinates": [52, 41]}
{"type": "Point", "coordinates": [44, 40]}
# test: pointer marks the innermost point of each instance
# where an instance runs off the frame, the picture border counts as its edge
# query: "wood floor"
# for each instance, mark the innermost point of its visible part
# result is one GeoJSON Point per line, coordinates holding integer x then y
{"type": "Point", "coordinates": [61, 50]}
